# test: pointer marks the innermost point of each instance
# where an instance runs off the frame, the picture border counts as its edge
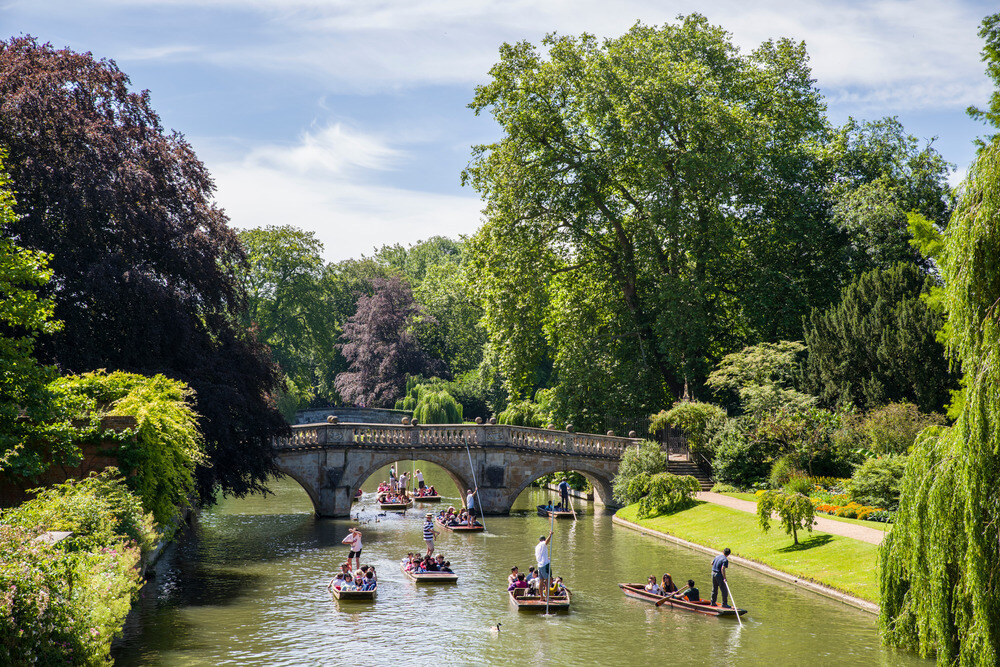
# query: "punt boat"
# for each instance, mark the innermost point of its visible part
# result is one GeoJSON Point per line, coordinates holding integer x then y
{"type": "Point", "coordinates": [558, 513]}
{"type": "Point", "coordinates": [354, 595]}
{"type": "Point", "coordinates": [428, 577]}
{"type": "Point", "coordinates": [639, 592]}
{"type": "Point", "coordinates": [394, 506]}
{"type": "Point", "coordinates": [537, 602]}
{"type": "Point", "coordinates": [460, 529]}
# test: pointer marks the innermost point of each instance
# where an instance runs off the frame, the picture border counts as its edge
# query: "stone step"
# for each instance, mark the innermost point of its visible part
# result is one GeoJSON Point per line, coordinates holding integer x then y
{"type": "Point", "coordinates": [692, 469]}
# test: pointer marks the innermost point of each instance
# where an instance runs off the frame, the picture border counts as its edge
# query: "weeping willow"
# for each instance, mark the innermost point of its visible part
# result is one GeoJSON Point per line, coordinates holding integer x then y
{"type": "Point", "coordinates": [940, 578]}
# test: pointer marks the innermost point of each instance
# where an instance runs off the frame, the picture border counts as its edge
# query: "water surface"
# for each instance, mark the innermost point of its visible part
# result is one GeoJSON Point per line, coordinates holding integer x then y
{"type": "Point", "coordinates": [247, 586]}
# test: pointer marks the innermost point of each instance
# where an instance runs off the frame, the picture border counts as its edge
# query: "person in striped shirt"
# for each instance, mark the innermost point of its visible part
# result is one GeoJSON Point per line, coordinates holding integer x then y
{"type": "Point", "coordinates": [429, 533]}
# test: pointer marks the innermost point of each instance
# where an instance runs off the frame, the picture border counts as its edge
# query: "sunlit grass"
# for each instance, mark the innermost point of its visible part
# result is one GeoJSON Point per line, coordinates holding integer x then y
{"type": "Point", "coordinates": [840, 562]}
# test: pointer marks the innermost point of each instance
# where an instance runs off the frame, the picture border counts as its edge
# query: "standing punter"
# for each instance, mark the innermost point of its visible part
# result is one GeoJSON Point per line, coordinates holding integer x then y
{"type": "Point", "coordinates": [470, 504]}
{"type": "Point", "coordinates": [564, 493]}
{"type": "Point", "coordinates": [544, 567]}
{"type": "Point", "coordinates": [429, 533]}
{"type": "Point", "coordinates": [719, 567]}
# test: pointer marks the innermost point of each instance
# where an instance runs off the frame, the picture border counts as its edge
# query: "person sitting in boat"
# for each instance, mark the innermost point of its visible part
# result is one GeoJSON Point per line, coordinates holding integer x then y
{"type": "Point", "coordinates": [336, 582]}
{"type": "Point", "coordinates": [440, 562]}
{"type": "Point", "coordinates": [557, 589]}
{"type": "Point", "coordinates": [431, 491]}
{"type": "Point", "coordinates": [429, 565]}
{"type": "Point", "coordinates": [365, 582]}
{"type": "Point", "coordinates": [446, 566]}
{"type": "Point", "coordinates": [519, 583]}
{"type": "Point", "coordinates": [653, 587]}
{"type": "Point", "coordinates": [513, 576]}
{"type": "Point", "coordinates": [667, 586]}
{"type": "Point", "coordinates": [533, 580]}
{"type": "Point", "coordinates": [690, 593]}
{"type": "Point", "coordinates": [348, 584]}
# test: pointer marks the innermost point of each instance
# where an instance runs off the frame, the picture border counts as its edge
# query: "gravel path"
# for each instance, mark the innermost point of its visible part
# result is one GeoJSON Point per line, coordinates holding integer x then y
{"type": "Point", "coordinates": [844, 529]}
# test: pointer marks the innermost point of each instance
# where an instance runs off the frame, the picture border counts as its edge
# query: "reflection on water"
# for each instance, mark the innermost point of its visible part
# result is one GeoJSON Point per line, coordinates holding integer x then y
{"type": "Point", "coordinates": [247, 587]}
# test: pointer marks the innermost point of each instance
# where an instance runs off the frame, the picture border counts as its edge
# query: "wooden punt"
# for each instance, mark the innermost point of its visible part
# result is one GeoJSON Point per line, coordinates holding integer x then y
{"type": "Point", "coordinates": [460, 529]}
{"type": "Point", "coordinates": [428, 577]}
{"type": "Point", "coordinates": [705, 607]}
{"type": "Point", "coordinates": [549, 510]}
{"type": "Point", "coordinates": [354, 595]}
{"type": "Point", "coordinates": [397, 507]}
{"type": "Point", "coordinates": [427, 499]}
{"type": "Point", "coordinates": [537, 602]}
{"type": "Point", "coordinates": [357, 496]}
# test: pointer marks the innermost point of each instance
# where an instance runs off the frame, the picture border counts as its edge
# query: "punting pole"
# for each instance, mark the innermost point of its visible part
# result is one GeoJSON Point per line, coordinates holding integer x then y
{"type": "Point", "coordinates": [735, 606]}
{"type": "Point", "coordinates": [476, 484]}
{"type": "Point", "coordinates": [548, 586]}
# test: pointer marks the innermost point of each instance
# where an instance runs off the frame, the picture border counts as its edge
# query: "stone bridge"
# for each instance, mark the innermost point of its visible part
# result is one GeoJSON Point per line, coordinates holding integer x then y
{"type": "Point", "coordinates": [331, 461]}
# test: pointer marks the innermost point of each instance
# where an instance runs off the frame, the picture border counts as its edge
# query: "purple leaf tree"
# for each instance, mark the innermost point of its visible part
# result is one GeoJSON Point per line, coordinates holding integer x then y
{"type": "Point", "coordinates": [380, 347]}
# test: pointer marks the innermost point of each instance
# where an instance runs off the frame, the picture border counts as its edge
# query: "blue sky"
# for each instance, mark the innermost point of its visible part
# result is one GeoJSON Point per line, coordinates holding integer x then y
{"type": "Point", "coordinates": [349, 118]}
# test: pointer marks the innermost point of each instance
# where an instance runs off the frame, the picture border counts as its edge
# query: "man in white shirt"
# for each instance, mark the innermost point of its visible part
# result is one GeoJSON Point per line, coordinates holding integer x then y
{"type": "Point", "coordinates": [542, 558]}
{"type": "Point", "coordinates": [420, 479]}
{"type": "Point", "coordinates": [470, 504]}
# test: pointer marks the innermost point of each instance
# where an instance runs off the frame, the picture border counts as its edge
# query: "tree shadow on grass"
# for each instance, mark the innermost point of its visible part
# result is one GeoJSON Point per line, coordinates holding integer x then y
{"type": "Point", "coordinates": [810, 543]}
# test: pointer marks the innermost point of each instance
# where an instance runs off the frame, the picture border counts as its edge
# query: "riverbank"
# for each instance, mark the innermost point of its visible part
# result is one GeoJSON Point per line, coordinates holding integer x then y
{"type": "Point", "coordinates": [833, 565]}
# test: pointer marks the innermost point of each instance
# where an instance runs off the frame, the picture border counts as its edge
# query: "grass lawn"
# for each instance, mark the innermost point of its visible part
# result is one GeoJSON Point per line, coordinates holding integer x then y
{"type": "Point", "coordinates": [876, 525]}
{"type": "Point", "coordinates": [839, 562]}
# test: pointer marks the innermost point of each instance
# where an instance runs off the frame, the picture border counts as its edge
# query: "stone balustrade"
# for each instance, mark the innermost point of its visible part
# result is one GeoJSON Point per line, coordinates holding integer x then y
{"type": "Point", "coordinates": [437, 436]}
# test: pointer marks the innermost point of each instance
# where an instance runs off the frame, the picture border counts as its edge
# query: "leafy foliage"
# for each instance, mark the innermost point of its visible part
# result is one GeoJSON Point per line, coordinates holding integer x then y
{"type": "Point", "coordinates": [879, 344]}
{"type": "Point", "coordinates": [615, 156]}
{"type": "Point", "coordinates": [143, 261]}
{"type": "Point", "coordinates": [667, 493]}
{"type": "Point", "coordinates": [764, 376]}
{"type": "Point", "coordinates": [380, 348]}
{"type": "Point", "coordinates": [794, 510]}
{"type": "Point", "coordinates": [64, 604]}
{"type": "Point", "coordinates": [877, 482]}
{"type": "Point", "coordinates": [430, 403]}
{"type": "Point", "coordinates": [698, 421]}
{"type": "Point", "coordinates": [739, 460]}
{"type": "Point", "coordinates": [893, 428]}
{"type": "Point", "coordinates": [160, 464]}
{"type": "Point", "coordinates": [286, 301]}
{"type": "Point", "coordinates": [940, 566]}
{"type": "Point", "coordinates": [523, 413]}
{"type": "Point", "coordinates": [637, 467]}
{"type": "Point", "coordinates": [29, 440]}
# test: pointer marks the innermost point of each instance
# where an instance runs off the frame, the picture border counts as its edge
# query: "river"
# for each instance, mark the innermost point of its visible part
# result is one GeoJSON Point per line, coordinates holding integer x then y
{"type": "Point", "coordinates": [247, 586]}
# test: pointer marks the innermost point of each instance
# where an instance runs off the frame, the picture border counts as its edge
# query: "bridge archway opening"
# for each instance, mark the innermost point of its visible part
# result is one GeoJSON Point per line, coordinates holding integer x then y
{"type": "Point", "coordinates": [288, 496]}
{"type": "Point", "coordinates": [528, 493]}
{"type": "Point", "coordinates": [449, 483]}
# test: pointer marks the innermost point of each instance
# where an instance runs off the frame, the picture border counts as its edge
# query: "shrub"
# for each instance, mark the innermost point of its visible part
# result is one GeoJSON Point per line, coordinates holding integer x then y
{"type": "Point", "coordinates": [892, 428]}
{"type": "Point", "coordinates": [159, 463]}
{"type": "Point", "coordinates": [782, 471]}
{"type": "Point", "coordinates": [99, 510]}
{"type": "Point", "coordinates": [666, 493]}
{"type": "Point", "coordinates": [430, 402]}
{"type": "Point", "coordinates": [638, 464]}
{"type": "Point", "coordinates": [698, 420]}
{"type": "Point", "coordinates": [794, 510]}
{"type": "Point", "coordinates": [798, 484]}
{"type": "Point", "coordinates": [882, 516]}
{"type": "Point", "coordinates": [719, 487]}
{"type": "Point", "coordinates": [739, 460]}
{"type": "Point", "coordinates": [877, 482]}
{"type": "Point", "coordinates": [65, 603]}
{"type": "Point", "coordinates": [523, 413]}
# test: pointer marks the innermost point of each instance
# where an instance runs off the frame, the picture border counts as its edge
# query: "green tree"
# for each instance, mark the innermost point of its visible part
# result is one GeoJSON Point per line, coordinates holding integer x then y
{"type": "Point", "coordinates": [288, 306]}
{"type": "Point", "coordinates": [795, 512]}
{"type": "Point", "coordinates": [765, 377]}
{"type": "Point", "coordinates": [143, 259]}
{"type": "Point", "coordinates": [645, 165]}
{"type": "Point", "coordinates": [698, 421]}
{"type": "Point", "coordinates": [879, 344]}
{"type": "Point", "coordinates": [29, 443]}
{"type": "Point", "coordinates": [940, 566]}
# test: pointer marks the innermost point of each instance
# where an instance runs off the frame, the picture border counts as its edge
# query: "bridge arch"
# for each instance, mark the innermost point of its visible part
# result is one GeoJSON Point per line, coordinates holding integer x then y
{"type": "Point", "coordinates": [444, 460]}
{"type": "Point", "coordinates": [596, 476]}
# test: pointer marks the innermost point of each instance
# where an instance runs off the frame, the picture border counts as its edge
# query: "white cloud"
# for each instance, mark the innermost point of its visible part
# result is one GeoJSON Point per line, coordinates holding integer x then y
{"type": "Point", "coordinates": [371, 45]}
{"type": "Point", "coordinates": [319, 184]}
